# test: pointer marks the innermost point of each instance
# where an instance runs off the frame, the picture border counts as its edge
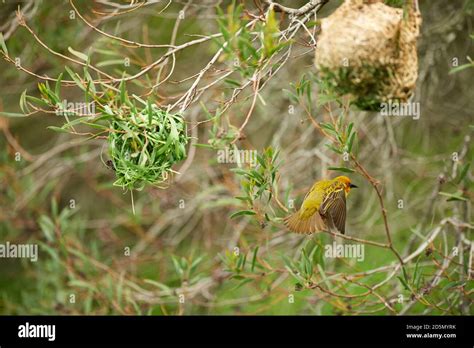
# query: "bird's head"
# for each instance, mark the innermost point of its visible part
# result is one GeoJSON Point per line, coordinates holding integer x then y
{"type": "Point", "coordinates": [344, 180]}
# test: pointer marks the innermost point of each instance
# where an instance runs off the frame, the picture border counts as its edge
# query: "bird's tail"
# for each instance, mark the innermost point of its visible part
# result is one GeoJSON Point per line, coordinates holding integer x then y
{"type": "Point", "coordinates": [297, 224]}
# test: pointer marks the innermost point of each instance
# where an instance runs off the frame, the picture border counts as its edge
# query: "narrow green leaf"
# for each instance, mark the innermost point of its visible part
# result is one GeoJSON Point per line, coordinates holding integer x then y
{"type": "Point", "coordinates": [2, 43]}
{"type": "Point", "coordinates": [123, 92]}
{"type": "Point", "coordinates": [333, 148]}
{"type": "Point", "coordinates": [350, 142]}
{"type": "Point", "coordinates": [463, 172]}
{"type": "Point", "coordinates": [254, 259]}
{"type": "Point", "coordinates": [342, 169]}
{"type": "Point", "coordinates": [453, 197]}
{"type": "Point", "coordinates": [75, 77]}
{"type": "Point", "coordinates": [349, 128]}
{"type": "Point", "coordinates": [79, 55]}
{"type": "Point", "coordinates": [404, 283]}
{"type": "Point", "coordinates": [453, 284]}
{"type": "Point", "coordinates": [47, 226]}
{"type": "Point", "coordinates": [38, 101]}
{"type": "Point", "coordinates": [460, 68]}
{"type": "Point", "coordinates": [150, 112]}
{"type": "Point", "coordinates": [207, 146]}
{"type": "Point", "coordinates": [23, 105]}
{"type": "Point", "coordinates": [242, 212]}
{"type": "Point", "coordinates": [57, 87]}
{"type": "Point", "coordinates": [242, 283]}
{"type": "Point", "coordinates": [58, 129]}
{"type": "Point", "coordinates": [232, 82]}
{"type": "Point", "coordinates": [11, 114]}
{"type": "Point", "coordinates": [405, 275]}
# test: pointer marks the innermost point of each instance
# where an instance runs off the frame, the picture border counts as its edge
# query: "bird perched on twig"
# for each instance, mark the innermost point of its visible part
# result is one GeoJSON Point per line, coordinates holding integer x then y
{"type": "Point", "coordinates": [323, 208]}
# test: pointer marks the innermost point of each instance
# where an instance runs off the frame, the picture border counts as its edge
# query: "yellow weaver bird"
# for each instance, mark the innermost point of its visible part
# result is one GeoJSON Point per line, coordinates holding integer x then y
{"type": "Point", "coordinates": [323, 208]}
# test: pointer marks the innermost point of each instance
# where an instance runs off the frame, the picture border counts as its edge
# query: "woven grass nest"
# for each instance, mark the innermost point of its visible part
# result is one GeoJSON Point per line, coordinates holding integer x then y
{"type": "Point", "coordinates": [368, 50]}
{"type": "Point", "coordinates": [145, 144]}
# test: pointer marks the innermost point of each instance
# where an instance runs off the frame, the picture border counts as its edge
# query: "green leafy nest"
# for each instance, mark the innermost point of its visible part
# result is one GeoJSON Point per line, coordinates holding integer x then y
{"type": "Point", "coordinates": [144, 146]}
{"type": "Point", "coordinates": [366, 91]}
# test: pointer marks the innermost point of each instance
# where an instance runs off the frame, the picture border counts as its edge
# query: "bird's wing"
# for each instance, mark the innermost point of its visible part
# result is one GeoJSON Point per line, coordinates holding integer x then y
{"type": "Point", "coordinates": [334, 208]}
{"type": "Point", "coordinates": [295, 223]}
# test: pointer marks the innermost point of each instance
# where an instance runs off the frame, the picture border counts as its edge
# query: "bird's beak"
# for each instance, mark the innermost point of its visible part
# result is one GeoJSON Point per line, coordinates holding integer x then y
{"type": "Point", "coordinates": [353, 186]}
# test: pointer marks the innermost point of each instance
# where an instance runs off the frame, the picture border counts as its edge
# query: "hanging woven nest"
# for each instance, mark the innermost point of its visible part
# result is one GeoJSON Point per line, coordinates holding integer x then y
{"type": "Point", "coordinates": [368, 50]}
{"type": "Point", "coordinates": [144, 145]}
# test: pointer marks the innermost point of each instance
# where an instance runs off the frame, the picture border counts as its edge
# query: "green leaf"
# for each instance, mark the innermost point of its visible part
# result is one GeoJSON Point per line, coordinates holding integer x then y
{"type": "Point", "coordinates": [177, 266]}
{"type": "Point", "coordinates": [333, 148]}
{"type": "Point", "coordinates": [139, 99]}
{"type": "Point", "coordinates": [150, 112]}
{"type": "Point", "coordinates": [242, 212]}
{"type": "Point", "coordinates": [195, 263]}
{"type": "Point", "coordinates": [3, 45]}
{"type": "Point", "coordinates": [453, 284]}
{"type": "Point", "coordinates": [37, 101]}
{"type": "Point", "coordinates": [207, 146]}
{"type": "Point", "coordinates": [47, 226]}
{"type": "Point", "coordinates": [90, 82]}
{"type": "Point", "coordinates": [291, 96]}
{"type": "Point", "coordinates": [58, 129]}
{"type": "Point", "coordinates": [57, 87]}
{"type": "Point", "coordinates": [342, 169]}
{"type": "Point", "coordinates": [81, 284]}
{"type": "Point", "coordinates": [236, 277]}
{"type": "Point", "coordinates": [23, 105]}
{"type": "Point", "coordinates": [243, 282]}
{"type": "Point", "coordinates": [324, 98]}
{"type": "Point", "coordinates": [460, 68]}
{"type": "Point", "coordinates": [158, 285]}
{"type": "Point", "coordinates": [241, 261]}
{"type": "Point", "coordinates": [232, 82]}
{"type": "Point", "coordinates": [324, 276]}
{"type": "Point", "coordinates": [404, 283]}
{"type": "Point", "coordinates": [243, 198]}
{"type": "Point", "coordinates": [349, 128]}
{"type": "Point", "coordinates": [417, 273]}
{"type": "Point", "coordinates": [463, 172]}
{"type": "Point", "coordinates": [350, 142]}
{"type": "Point", "coordinates": [123, 92]}
{"type": "Point", "coordinates": [454, 196]}
{"type": "Point", "coordinates": [75, 77]}
{"type": "Point", "coordinates": [239, 171]}
{"type": "Point", "coordinates": [11, 114]}
{"type": "Point", "coordinates": [254, 259]}
{"type": "Point", "coordinates": [405, 274]}
{"type": "Point", "coordinates": [311, 24]}
{"type": "Point", "coordinates": [109, 62]}
{"type": "Point", "coordinates": [79, 55]}
{"type": "Point", "coordinates": [269, 32]}
{"type": "Point", "coordinates": [327, 126]}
